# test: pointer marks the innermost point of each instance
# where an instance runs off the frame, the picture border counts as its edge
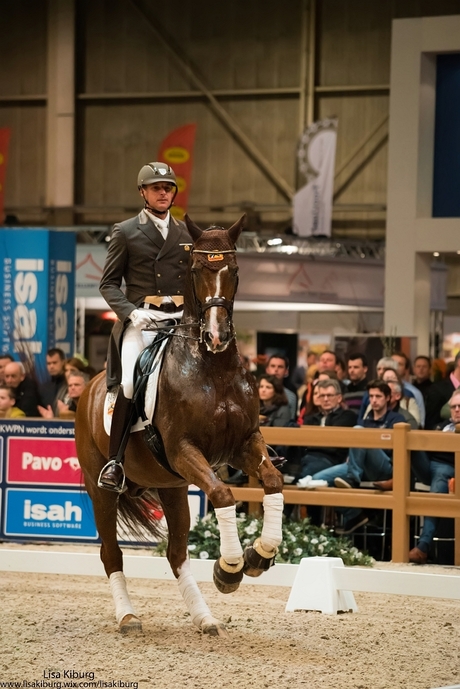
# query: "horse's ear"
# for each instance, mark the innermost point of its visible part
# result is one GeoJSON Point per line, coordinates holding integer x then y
{"type": "Point", "coordinates": [193, 230]}
{"type": "Point", "coordinates": [235, 230]}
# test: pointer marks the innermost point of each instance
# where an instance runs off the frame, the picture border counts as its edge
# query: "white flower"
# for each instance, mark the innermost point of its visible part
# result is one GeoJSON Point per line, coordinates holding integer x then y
{"type": "Point", "coordinates": [204, 555]}
{"type": "Point", "coordinates": [207, 534]}
{"type": "Point", "coordinates": [320, 548]}
{"type": "Point", "coordinates": [314, 541]}
{"type": "Point", "coordinates": [298, 551]}
{"type": "Point", "coordinates": [322, 539]}
{"type": "Point", "coordinates": [192, 547]}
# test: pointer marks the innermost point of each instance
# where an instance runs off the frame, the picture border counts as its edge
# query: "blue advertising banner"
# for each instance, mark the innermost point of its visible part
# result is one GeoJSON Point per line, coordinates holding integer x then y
{"type": "Point", "coordinates": [37, 294]}
{"type": "Point", "coordinates": [50, 514]}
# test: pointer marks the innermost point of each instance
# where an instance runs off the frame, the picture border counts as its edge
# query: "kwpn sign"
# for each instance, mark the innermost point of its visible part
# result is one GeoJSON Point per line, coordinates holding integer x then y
{"type": "Point", "coordinates": [43, 461]}
{"type": "Point", "coordinates": [49, 513]}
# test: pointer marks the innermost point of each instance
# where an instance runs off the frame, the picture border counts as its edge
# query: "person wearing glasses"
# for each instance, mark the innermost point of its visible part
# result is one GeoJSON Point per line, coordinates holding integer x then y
{"type": "Point", "coordinates": [435, 469]}
{"type": "Point", "coordinates": [150, 254]}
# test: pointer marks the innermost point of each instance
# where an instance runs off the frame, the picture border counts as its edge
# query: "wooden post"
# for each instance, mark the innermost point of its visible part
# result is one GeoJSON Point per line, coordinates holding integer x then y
{"type": "Point", "coordinates": [401, 488]}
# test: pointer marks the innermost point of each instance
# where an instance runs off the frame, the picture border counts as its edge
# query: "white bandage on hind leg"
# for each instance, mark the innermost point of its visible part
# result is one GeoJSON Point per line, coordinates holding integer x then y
{"type": "Point", "coordinates": [230, 546]}
{"type": "Point", "coordinates": [271, 535]}
{"type": "Point", "coordinates": [119, 591]}
{"type": "Point", "coordinates": [192, 596]}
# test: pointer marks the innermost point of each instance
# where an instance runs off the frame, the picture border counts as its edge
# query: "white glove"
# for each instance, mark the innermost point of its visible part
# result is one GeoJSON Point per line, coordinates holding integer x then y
{"type": "Point", "coordinates": [141, 319]}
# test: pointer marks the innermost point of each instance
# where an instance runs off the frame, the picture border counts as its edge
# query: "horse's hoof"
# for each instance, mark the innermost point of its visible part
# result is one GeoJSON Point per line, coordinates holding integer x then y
{"type": "Point", "coordinates": [130, 624]}
{"type": "Point", "coordinates": [257, 560]}
{"type": "Point", "coordinates": [215, 629]}
{"type": "Point", "coordinates": [227, 577]}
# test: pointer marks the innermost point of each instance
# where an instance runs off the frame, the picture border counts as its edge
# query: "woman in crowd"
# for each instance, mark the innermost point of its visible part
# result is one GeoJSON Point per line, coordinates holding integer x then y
{"type": "Point", "coordinates": [274, 408]}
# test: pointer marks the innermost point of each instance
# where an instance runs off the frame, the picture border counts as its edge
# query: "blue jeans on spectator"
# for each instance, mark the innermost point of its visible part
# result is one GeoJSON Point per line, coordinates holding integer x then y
{"type": "Point", "coordinates": [436, 475]}
{"type": "Point", "coordinates": [311, 464]}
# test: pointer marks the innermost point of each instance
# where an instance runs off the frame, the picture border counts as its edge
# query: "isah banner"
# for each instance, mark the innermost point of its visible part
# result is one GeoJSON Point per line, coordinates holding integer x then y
{"type": "Point", "coordinates": [5, 133]}
{"type": "Point", "coordinates": [38, 294]}
{"type": "Point", "coordinates": [177, 150]}
{"type": "Point", "coordinates": [316, 161]}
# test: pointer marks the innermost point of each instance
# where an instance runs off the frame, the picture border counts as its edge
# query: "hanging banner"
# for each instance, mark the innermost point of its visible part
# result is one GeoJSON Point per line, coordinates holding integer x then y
{"type": "Point", "coordinates": [5, 133]}
{"type": "Point", "coordinates": [316, 159]}
{"type": "Point", "coordinates": [177, 151]}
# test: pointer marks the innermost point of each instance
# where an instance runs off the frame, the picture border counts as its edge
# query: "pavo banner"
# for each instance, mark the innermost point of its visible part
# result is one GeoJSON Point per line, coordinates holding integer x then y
{"type": "Point", "coordinates": [5, 133]}
{"type": "Point", "coordinates": [177, 150]}
{"type": "Point", "coordinates": [316, 161]}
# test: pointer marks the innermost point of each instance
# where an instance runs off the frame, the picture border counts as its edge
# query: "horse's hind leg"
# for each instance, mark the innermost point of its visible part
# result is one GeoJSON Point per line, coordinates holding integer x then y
{"type": "Point", "coordinates": [175, 505]}
{"type": "Point", "coordinates": [105, 513]}
{"type": "Point", "coordinates": [260, 555]}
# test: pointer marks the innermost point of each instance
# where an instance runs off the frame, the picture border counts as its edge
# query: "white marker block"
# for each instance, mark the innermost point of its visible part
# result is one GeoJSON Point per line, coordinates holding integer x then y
{"type": "Point", "coordinates": [315, 588]}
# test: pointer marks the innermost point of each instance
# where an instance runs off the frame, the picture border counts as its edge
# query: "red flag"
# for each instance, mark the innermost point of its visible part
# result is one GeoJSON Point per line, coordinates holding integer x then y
{"type": "Point", "coordinates": [177, 151]}
{"type": "Point", "coordinates": [4, 141]}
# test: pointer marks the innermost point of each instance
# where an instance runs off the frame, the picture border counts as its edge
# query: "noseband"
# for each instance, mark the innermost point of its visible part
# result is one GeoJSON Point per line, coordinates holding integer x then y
{"type": "Point", "coordinates": [214, 301]}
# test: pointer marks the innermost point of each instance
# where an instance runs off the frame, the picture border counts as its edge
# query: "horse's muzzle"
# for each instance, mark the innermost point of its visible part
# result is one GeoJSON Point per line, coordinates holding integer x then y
{"type": "Point", "coordinates": [217, 341]}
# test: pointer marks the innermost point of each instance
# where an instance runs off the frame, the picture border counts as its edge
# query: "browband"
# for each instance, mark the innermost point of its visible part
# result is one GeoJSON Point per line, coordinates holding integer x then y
{"type": "Point", "coordinates": [202, 251]}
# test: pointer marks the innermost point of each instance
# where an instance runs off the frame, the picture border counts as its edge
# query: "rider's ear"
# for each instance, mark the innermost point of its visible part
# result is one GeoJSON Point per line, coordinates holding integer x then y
{"type": "Point", "coordinates": [194, 230]}
{"type": "Point", "coordinates": [235, 230]}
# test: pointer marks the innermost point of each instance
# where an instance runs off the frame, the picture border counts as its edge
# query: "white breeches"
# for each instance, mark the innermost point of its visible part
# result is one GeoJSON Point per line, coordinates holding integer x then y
{"type": "Point", "coordinates": [134, 341]}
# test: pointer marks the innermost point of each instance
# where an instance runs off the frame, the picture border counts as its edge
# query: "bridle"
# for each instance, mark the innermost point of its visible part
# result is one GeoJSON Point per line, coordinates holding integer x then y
{"type": "Point", "coordinates": [222, 302]}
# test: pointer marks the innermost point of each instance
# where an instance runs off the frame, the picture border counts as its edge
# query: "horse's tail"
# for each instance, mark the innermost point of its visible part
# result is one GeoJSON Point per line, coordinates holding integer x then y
{"type": "Point", "coordinates": [142, 516]}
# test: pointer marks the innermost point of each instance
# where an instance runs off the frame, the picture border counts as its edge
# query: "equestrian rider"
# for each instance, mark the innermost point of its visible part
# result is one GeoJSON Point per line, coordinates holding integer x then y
{"type": "Point", "coordinates": [150, 252]}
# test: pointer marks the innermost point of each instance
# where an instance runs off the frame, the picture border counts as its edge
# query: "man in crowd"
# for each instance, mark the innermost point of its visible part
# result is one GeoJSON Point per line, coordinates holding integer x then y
{"type": "Point", "coordinates": [422, 374]}
{"type": "Point", "coordinates": [25, 388]}
{"type": "Point", "coordinates": [357, 375]}
{"type": "Point", "coordinates": [440, 393]}
{"type": "Point", "coordinates": [434, 469]}
{"type": "Point", "coordinates": [4, 360]}
{"type": "Point", "coordinates": [403, 369]}
{"type": "Point", "coordinates": [53, 389]}
{"type": "Point", "coordinates": [278, 366]}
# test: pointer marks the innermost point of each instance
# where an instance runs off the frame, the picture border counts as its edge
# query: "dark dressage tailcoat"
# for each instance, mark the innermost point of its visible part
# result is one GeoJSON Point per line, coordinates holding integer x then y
{"type": "Point", "coordinates": [149, 265]}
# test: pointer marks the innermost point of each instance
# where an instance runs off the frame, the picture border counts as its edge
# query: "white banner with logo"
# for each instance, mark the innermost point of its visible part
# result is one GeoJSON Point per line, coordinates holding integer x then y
{"type": "Point", "coordinates": [316, 160]}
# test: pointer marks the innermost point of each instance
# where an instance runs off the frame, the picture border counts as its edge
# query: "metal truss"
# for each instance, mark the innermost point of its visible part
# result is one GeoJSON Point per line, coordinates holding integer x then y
{"type": "Point", "coordinates": [315, 247]}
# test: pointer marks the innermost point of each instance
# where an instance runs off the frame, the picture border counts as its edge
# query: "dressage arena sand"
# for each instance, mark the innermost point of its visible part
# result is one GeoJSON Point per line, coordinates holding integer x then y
{"type": "Point", "coordinates": [58, 623]}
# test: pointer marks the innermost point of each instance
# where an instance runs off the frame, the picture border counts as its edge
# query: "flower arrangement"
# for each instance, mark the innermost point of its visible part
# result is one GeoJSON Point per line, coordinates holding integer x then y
{"type": "Point", "coordinates": [300, 539]}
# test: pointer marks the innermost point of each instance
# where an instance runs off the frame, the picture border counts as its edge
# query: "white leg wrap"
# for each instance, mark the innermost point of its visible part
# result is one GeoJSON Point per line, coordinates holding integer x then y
{"type": "Point", "coordinates": [120, 596]}
{"type": "Point", "coordinates": [230, 546]}
{"type": "Point", "coordinates": [271, 535]}
{"type": "Point", "coordinates": [192, 596]}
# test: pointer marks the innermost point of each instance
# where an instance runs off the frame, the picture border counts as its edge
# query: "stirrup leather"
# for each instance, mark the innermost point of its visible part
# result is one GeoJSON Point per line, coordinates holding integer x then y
{"type": "Point", "coordinates": [109, 486]}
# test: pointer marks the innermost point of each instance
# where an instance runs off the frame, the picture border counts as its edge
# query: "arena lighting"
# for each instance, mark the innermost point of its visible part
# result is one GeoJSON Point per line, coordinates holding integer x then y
{"type": "Point", "coordinates": [283, 306]}
{"type": "Point", "coordinates": [276, 241]}
{"type": "Point", "coordinates": [109, 316]}
{"type": "Point", "coordinates": [288, 249]}
{"type": "Point", "coordinates": [436, 253]}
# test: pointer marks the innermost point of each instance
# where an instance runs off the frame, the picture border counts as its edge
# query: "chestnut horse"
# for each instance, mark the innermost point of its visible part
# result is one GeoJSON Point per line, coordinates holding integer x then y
{"type": "Point", "coordinates": [207, 415]}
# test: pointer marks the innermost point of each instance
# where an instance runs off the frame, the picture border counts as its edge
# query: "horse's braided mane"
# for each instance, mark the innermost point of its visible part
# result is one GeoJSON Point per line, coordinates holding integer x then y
{"type": "Point", "coordinates": [214, 239]}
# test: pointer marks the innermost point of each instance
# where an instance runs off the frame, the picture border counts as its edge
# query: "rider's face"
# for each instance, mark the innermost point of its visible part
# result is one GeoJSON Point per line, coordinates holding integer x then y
{"type": "Point", "coordinates": [159, 196]}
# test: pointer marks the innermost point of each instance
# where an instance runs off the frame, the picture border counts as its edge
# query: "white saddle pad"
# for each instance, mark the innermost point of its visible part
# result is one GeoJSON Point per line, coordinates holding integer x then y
{"type": "Point", "coordinates": [150, 397]}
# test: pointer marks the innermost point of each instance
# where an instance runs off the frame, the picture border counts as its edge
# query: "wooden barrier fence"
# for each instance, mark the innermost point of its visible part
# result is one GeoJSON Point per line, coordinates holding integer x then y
{"type": "Point", "coordinates": [402, 501]}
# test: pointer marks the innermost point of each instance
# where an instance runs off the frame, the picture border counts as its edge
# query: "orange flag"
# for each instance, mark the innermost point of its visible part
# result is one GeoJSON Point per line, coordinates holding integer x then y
{"type": "Point", "coordinates": [4, 141]}
{"type": "Point", "coordinates": [177, 151]}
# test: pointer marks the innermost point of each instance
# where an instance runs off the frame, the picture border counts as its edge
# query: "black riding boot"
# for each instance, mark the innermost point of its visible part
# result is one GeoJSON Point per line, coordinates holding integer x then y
{"type": "Point", "coordinates": [112, 476]}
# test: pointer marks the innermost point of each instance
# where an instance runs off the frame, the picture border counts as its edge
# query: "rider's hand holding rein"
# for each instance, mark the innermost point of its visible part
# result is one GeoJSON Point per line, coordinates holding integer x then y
{"type": "Point", "coordinates": [141, 319]}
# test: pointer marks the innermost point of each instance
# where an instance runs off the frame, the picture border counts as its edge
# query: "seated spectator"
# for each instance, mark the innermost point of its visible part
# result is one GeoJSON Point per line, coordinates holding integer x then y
{"type": "Point", "coordinates": [76, 383]}
{"type": "Point", "coordinates": [440, 393]}
{"type": "Point", "coordinates": [8, 410]}
{"type": "Point", "coordinates": [55, 388]}
{"type": "Point", "coordinates": [356, 388]}
{"type": "Point", "coordinates": [384, 364]}
{"type": "Point", "coordinates": [434, 469]}
{"type": "Point", "coordinates": [376, 464]}
{"type": "Point", "coordinates": [341, 370]}
{"type": "Point", "coordinates": [4, 360]}
{"type": "Point", "coordinates": [331, 413]}
{"type": "Point", "coordinates": [308, 405]}
{"type": "Point", "coordinates": [278, 365]}
{"type": "Point", "coordinates": [403, 369]}
{"type": "Point", "coordinates": [422, 375]}
{"type": "Point", "coordinates": [24, 387]}
{"type": "Point", "coordinates": [274, 408]}
{"type": "Point", "coordinates": [399, 402]}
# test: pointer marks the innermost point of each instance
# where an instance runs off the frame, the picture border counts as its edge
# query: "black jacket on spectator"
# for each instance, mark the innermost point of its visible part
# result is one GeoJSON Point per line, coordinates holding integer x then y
{"type": "Point", "coordinates": [50, 389]}
{"type": "Point", "coordinates": [338, 417]}
{"type": "Point", "coordinates": [445, 457]}
{"type": "Point", "coordinates": [437, 396]}
{"type": "Point", "coordinates": [353, 397]}
{"type": "Point", "coordinates": [27, 397]}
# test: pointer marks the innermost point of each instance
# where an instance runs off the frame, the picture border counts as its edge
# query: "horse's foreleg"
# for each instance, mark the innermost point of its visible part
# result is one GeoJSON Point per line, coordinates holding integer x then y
{"type": "Point", "coordinates": [260, 555]}
{"type": "Point", "coordinates": [177, 514]}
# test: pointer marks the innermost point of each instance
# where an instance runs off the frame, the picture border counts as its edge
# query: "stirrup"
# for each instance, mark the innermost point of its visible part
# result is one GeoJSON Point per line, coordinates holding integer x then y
{"type": "Point", "coordinates": [119, 488]}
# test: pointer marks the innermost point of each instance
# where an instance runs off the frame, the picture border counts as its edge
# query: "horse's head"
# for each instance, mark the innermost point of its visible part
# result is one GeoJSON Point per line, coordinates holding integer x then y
{"type": "Point", "coordinates": [214, 279]}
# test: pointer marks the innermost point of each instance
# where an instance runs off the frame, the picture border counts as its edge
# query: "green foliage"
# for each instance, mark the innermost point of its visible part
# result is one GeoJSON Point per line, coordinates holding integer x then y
{"type": "Point", "coordinates": [300, 539]}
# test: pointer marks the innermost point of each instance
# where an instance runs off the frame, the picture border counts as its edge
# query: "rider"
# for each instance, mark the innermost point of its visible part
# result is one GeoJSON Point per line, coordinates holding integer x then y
{"type": "Point", "coordinates": [150, 252]}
